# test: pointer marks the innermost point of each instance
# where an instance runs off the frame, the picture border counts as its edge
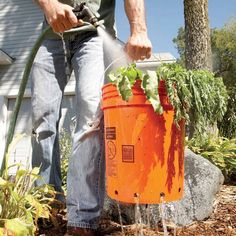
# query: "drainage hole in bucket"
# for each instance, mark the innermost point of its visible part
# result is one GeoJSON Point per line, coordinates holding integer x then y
{"type": "Point", "coordinates": [162, 194]}
{"type": "Point", "coordinates": [116, 192]}
{"type": "Point", "coordinates": [136, 195]}
{"type": "Point", "coordinates": [179, 190]}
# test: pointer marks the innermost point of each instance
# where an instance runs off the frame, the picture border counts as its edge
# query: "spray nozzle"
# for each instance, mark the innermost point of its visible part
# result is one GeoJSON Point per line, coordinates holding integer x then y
{"type": "Point", "coordinates": [82, 11]}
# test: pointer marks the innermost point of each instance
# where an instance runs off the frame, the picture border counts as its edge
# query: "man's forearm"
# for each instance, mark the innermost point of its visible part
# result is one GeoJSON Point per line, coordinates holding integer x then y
{"type": "Point", "coordinates": [135, 11]}
{"type": "Point", "coordinates": [138, 45]}
{"type": "Point", "coordinates": [43, 3]}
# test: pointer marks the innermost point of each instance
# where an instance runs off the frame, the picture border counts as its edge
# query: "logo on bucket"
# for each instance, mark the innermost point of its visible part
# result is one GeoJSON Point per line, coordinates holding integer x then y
{"type": "Point", "coordinates": [111, 150]}
{"type": "Point", "coordinates": [111, 133]}
{"type": "Point", "coordinates": [128, 153]}
{"type": "Point", "coordinates": [111, 160]}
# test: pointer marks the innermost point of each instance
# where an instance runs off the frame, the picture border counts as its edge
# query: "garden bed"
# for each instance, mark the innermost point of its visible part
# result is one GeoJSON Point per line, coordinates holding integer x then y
{"type": "Point", "coordinates": [221, 222]}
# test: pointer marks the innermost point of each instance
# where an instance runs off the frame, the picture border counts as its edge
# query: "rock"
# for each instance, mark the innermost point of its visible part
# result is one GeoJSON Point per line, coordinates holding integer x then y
{"type": "Point", "coordinates": [202, 182]}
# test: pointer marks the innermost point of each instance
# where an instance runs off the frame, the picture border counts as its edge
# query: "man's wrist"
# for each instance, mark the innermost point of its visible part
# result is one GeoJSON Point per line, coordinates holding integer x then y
{"type": "Point", "coordinates": [137, 28]}
{"type": "Point", "coordinates": [44, 3]}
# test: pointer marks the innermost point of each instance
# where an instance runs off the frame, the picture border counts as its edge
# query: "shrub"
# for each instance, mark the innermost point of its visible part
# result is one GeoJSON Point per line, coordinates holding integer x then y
{"type": "Point", "coordinates": [220, 151]}
{"type": "Point", "coordinates": [227, 126]}
{"type": "Point", "coordinates": [21, 204]}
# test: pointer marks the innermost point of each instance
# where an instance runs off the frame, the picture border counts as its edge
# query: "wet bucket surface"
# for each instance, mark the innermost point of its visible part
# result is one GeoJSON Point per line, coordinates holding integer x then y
{"type": "Point", "coordinates": [144, 150]}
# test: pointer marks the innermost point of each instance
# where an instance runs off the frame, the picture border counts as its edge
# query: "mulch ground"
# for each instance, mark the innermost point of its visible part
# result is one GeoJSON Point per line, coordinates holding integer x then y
{"type": "Point", "coordinates": [221, 222]}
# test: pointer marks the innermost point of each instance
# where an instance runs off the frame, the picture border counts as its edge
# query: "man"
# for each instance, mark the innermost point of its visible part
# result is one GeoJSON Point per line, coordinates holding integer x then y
{"type": "Point", "coordinates": [85, 180]}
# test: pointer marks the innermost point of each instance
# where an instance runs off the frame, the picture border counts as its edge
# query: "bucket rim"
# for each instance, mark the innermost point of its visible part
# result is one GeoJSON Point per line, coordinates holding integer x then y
{"type": "Point", "coordinates": [108, 85]}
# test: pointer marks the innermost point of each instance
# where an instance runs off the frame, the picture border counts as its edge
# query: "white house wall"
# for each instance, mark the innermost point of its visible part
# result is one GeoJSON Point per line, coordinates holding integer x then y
{"type": "Point", "coordinates": [20, 25]}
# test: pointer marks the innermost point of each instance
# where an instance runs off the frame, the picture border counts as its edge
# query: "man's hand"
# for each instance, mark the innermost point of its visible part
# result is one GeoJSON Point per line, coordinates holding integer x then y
{"type": "Point", "coordinates": [59, 16]}
{"type": "Point", "coordinates": [138, 45]}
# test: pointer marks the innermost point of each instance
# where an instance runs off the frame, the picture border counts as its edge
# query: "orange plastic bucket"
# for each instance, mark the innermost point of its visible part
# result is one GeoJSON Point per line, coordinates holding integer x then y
{"type": "Point", "coordinates": [144, 150]}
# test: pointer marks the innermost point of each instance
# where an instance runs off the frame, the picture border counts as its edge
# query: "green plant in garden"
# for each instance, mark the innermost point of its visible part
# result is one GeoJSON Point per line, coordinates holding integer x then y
{"type": "Point", "coordinates": [220, 151]}
{"type": "Point", "coordinates": [195, 92]}
{"type": "Point", "coordinates": [224, 65]}
{"type": "Point", "coordinates": [227, 126]}
{"type": "Point", "coordinates": [65, 149]}
{"type": "Point", "coordinates": [21, 204]}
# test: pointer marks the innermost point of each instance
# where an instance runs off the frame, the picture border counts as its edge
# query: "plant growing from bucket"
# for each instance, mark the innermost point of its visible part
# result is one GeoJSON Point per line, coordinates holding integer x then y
{"type": "Point", "coordinates": [145, 116]}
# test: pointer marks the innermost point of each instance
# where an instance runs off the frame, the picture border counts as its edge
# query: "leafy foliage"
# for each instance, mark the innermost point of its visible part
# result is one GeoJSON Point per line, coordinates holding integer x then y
{"type": "Point", "coordinates": [223, 43]}
{"type": "Point", "coordinates": [227, 126]}
{"type": "Point", "coordinates": [21, 204]}
{"type": "Point", "coordinates": [220, 151]}
{"type": "Point", "coordinates": [65, 148]}
{"type": "Point", "coordinates": [179, 41]}
{"type": "Point", "coordinates": [194, 92]}
{"type": "Point", "coordinates": [224, 48]}
{"type": "Point", "coordinates": [124, 78]}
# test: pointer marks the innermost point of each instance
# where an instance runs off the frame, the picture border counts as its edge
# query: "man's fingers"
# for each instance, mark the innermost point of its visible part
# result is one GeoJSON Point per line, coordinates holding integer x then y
{"type": "Point", "coordinates": [133, 50]}
{"type": "Point", "coordinates": [72, 18]}
{"type": "Point", "coordinates": [149, 51]}
{"type": "Point", "coordinates": [138, 49]}
{"type": "Point", "coordinates": [66, 23]}
{"type": "Point", "coordinates": [54, 26]}
{"type": "Point", "coordinates": [130, 51]}
{"type": "Point", "coordinates": [61, 28]}
{"type": "Point", "coordinates": [141, 53]}
{"type": "Point", "coordinates": [144, 51]}
{"type": "Point", "coordinates": [80, 22]}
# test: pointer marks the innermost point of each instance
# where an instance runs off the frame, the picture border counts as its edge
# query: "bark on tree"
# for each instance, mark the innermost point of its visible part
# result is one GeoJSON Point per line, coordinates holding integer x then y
{"type": "Point", "coordinates": [197, 35]}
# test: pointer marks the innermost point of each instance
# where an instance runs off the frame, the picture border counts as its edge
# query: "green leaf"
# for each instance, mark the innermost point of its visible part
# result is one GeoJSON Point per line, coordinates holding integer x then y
{"type": "Point", "coordinates": [1, 231]}
{"type": "Point", "coordinates": [125, 88]}
{"type": "Point", "coordinates": [21, 172]}
{"type": "Point", "coordinates": [15, 195]}
{"type": "Point", "coordinates": [150, 87]}
{"type": "Point", "coordinates": [17, 227]}
{"type": "Point", "coordinates": [3, 182]}
{"type": "Point", "coordinates": [35, 171]}
{"type": "Point", "coordinates": [40, 210]}
{"type": "Point", "coordinates": [112, 77]}
{"type": "Point", "coordinates": [131, 73]}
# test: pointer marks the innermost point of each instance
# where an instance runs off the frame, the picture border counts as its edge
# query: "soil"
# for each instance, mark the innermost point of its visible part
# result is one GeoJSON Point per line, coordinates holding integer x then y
{"type": "Point", "coordinates": [221, 222]}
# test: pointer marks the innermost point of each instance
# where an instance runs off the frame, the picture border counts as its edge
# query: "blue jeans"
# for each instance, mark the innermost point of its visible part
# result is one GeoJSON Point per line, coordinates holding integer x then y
{"type": "Point", "coordinates": [86, 171]}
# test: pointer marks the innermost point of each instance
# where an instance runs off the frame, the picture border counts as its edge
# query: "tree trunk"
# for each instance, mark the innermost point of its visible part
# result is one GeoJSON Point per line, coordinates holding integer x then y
{"type": "Point", "coordinates": [197, 35]}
